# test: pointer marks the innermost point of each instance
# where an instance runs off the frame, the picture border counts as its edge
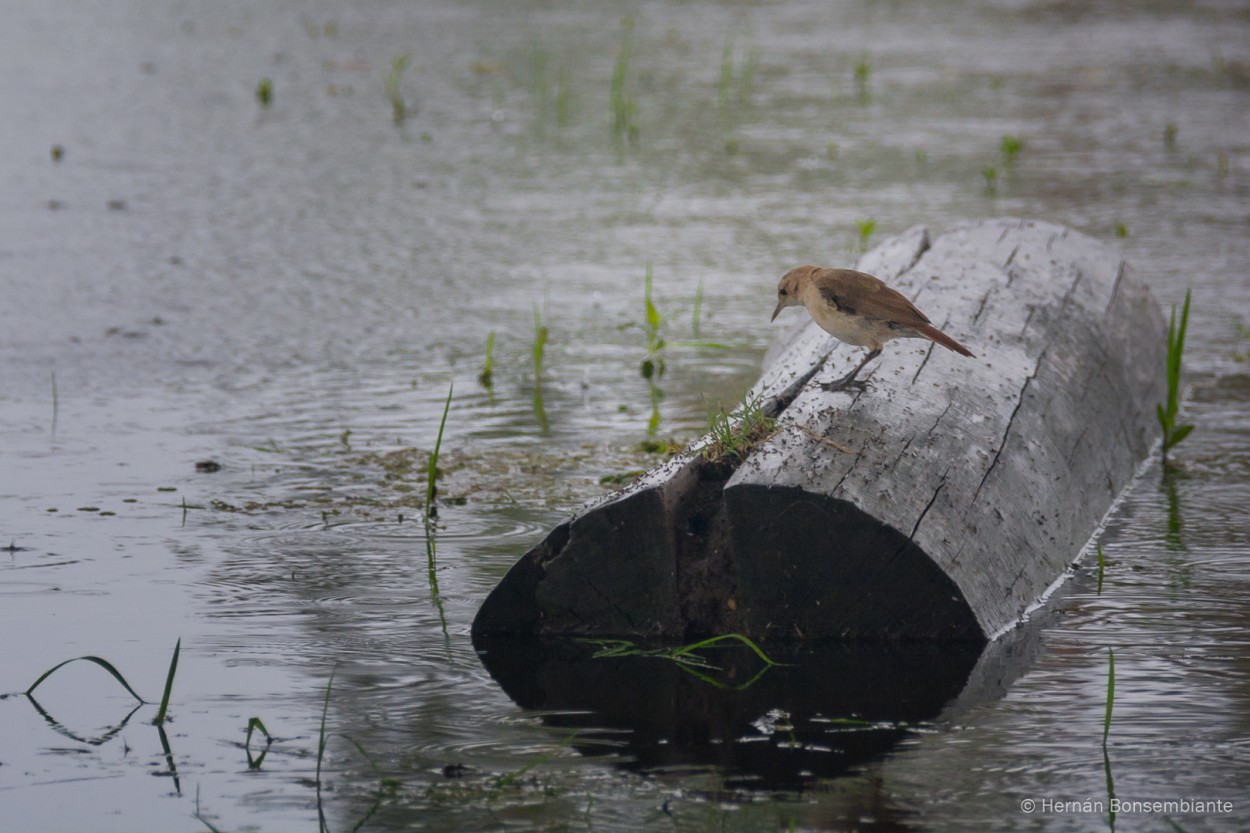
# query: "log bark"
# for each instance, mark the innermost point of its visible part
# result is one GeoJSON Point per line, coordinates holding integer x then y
{"type": "Point", "coordinates": [939, 503]}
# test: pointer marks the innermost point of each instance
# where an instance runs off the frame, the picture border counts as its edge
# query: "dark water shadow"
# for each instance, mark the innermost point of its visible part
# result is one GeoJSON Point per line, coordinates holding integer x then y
{"type": "Point", "coordinates": [827, 710]}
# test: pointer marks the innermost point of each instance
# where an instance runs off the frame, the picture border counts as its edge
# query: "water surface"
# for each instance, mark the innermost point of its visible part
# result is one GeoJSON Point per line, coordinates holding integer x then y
{"type": "Point", "coordinates": [290, 290]}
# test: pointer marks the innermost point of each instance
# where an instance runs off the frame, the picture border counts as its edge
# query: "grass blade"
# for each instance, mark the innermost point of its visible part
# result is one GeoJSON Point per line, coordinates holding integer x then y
{"type": "Point", "coordinates": [1102, 565]}
{"type": "Point", "coordinates": [698, 307]}
{"type": "Point", "coordinates": [716, 640]}
{"type": "Point", "coordinates": [169, 684]}
{"type": "Point", "coordinates": [487, 376]}
{"type": "Point", "coordinates": [103, 663]}
{"type": "Point", "coordinates": [431, 471]}
{"type": "Point", "coordinates": [1106, 720]}
{"type": "Point", "coordinates": [321, 736]}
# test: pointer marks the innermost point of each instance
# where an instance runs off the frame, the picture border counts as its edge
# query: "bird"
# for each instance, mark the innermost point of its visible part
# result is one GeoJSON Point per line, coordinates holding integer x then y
{"type": "Point", "coordinates": [859, 309]}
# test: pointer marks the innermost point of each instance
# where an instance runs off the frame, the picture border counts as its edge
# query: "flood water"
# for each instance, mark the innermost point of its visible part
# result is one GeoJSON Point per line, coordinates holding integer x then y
{"type": "Point", "coordinates": [289, 290]}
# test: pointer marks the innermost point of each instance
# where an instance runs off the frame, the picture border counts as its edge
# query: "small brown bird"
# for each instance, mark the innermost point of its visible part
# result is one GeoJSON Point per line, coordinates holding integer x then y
{"type": "Point", "coordinates": [859, 309]}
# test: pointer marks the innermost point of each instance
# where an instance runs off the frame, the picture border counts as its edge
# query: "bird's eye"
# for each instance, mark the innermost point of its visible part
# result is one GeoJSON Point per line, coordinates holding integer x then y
{"type": "Point", "coordinates": [783, 293]}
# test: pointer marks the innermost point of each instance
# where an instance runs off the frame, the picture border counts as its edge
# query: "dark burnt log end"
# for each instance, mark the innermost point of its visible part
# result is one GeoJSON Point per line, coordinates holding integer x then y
{"type": "Point", "coordinates": [808, 565]}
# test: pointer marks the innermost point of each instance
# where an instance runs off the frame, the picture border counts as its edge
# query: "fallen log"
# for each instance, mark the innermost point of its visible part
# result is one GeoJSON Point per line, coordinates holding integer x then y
{"type": "Point", "coordinates": [939, 503]}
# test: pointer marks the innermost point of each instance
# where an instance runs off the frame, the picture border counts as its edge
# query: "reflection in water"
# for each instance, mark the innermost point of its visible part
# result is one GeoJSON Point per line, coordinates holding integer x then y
{"type": "Point", "coordinates": [826, 709]}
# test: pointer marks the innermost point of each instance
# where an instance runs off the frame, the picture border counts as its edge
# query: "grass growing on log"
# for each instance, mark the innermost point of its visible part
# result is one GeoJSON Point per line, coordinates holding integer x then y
{"type": "Point", "coordinates": [399, 110]}
{"type": "Point", "coordinates": [737, 433]}
{"type": "Point", "coordinates": [169, 685]}
{"type": "Point", "coordinates": [1173, 433]}
{"type": "Point", "coordinates": [264, 92]}
{"type": "Point", "coordinates": [487, 376]}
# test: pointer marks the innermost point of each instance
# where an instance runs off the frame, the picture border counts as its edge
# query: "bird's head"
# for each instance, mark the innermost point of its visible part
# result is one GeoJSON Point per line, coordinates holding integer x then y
{"type": "Point", "coordinates": [790, 290]}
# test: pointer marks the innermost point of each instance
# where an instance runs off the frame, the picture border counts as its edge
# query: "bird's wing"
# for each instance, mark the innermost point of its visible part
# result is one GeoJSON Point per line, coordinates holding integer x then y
{"type": "Point", "coordinates": [855, 292]}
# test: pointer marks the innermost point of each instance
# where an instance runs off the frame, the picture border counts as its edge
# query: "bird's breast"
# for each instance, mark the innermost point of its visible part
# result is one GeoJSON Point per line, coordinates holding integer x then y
{"type": "Point", "coordinates": [856, 329]}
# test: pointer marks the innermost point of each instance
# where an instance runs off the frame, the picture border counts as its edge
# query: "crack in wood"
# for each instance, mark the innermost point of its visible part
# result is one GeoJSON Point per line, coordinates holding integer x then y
{"type": "Point", "coordinates": [928, 506]}
{"type": "Point", "coordinates": [927, 356]}
{"type": "Point", "coordinates": [1011, 421]}
{"type": "Point", "coordinates": [984, 300]}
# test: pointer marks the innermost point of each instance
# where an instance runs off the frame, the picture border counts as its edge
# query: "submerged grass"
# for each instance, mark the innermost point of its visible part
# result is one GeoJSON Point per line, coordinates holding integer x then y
{"type": "Point", "coordinates": [512, 777]}
{"type": "Point", "coordinates": [687, 657]}
{"type": "Point", "coordinates": [1173, 433]}
{"type": "Point", "coordinates": [1106, 719]}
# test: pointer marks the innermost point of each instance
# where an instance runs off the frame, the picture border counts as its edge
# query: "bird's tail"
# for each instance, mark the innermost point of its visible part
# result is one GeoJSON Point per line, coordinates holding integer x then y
{"type": "Point", "coordinates": [934, 334]}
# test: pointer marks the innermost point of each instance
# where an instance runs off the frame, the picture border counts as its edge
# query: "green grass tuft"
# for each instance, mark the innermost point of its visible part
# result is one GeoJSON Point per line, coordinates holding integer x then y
{"type": "Point", "coordinates": [737, 433]}
{"type": "Point", "coordinates": [264, 92]}
{"type": "Point", "coordinates": [1172, 432]}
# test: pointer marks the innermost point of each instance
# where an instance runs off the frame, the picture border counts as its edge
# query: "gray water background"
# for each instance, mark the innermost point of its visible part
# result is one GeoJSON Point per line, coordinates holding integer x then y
{"type": "Point", "coordinates": [200, 277]}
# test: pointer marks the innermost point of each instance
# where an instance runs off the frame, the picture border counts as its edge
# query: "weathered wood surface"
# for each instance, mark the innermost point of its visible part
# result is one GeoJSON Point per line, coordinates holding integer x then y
{"type": "Point", "coordinates": [939, 503]}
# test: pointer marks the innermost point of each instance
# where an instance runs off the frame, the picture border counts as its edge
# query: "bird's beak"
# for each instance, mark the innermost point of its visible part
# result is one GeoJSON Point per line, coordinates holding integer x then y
{"type": "Point", "coordinates": [780, 306]}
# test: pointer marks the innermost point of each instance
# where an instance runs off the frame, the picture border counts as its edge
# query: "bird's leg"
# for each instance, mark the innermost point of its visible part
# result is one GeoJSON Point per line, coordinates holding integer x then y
{"type": "Point", "coordinates": [849, 379]}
